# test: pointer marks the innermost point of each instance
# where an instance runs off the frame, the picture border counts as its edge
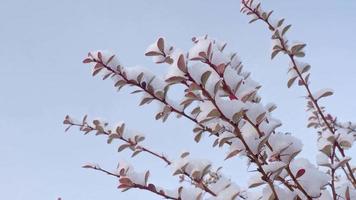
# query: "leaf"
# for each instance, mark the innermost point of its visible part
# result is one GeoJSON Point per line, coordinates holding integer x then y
{"type": "Point", "coordinates": [347, 194]}
{"type": "Point", "coordinates": [147, 175]}
{"type": "Point", "coordinates": [253, 20]}
{"type": "Point", "coordinates": [181, 64]}
{"type": "Point", "coordinates": [232, 154]}
{"type": "Point", "coordinates": [291, 81]}
{"type": "Point", "coordinates": [342, 162]}
{"type": "Point", "coordinates": [160, 44]}
{"type": "Point", "coordinates": [100, 56]}
{"type": "Point", "coordinates": [153, 53]}
{"type": "Point", "coordinates": [122, 147]}
{"type": "Point", "coordinates": [272, 197]}
{"type": "Point", "coordinates": [89, 166]}
{"type": "Point", "coordinates": [152, 187]}
{"type": "Point", "coordinates": [135, 153]}
{"type": "Point", "coordinates": [300, 173]}
{"type": "Point", "coordinates": [110, 59]}
{"type": "Point", "coordinates": [306, 68]}
{"type": "Point", "coordinates": [87, 60]}
{"type": "Point", "coordinates": [300, 54]}
{"type": "Point", "coordinates": [237, 116]}
{"type": "Point", "coordinates": [307, 78]}
{"type": "Point", "coordinates": [260, 117]}
{"type": "Point", "coordinates": [205, 77]}
{"type": "Point", "coordinates": [175, 79]}
{"type": "Point", "coordinates": [146, 100]}
{"type": "Point", "coordinates": [97, 68]}
{"type": "Point", "coordinates": [120, 129]}
{"type": "Point", "coordinates": [253, 185]}
{"type": "Point", "coordinates": [196, 111]}
{"type": "Point", "coordinates": [345, 144]}
{"type": "Point", "coordinates": [274, 54]}
{"type": "Point", "coordinates": [139, 77]}
{"type": "Point", "coordinates": [285, 29]}
{"type": "Point", "coordinates": [280, 22]}
{"type": "Point", "coordinates": [198, 136]}
{"type": "Point", "coordinates": [327, 149]}
{"type": "Point", "coordinates": [221, 68]}
{"type": "Point", "coordinates": [214, 113]}
{"type": "Point", "coordinates": [323, 94]}
{"type": "Point", "coordinates": [112, 136]}
{"type": "Point", "coordinates": [67, 120]}
{"type": "Point", "coordinates": [185, 154]}
{"type": "Point", "coordinates": [125, 181]}
{"type": "Point", "coordinates": [232, 97]}
{"type": "Point", "coordinates": [297, 48]}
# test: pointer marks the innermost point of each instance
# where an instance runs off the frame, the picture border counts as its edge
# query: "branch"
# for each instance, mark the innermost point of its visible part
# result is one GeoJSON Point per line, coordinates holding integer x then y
{"type": "Point", "coordinates": [84, 126]}
{"type": "Point", "coordinates": [303, 81]}
{"type": "Point", "coordinates": [138, 186]}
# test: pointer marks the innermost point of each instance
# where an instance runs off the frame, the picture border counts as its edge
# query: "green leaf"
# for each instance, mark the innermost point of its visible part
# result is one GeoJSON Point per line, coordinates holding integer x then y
{"type": "Point", "coordinates": [205, 77]}
{"type": "Point", "coordinates": [285, 29]}
{"type": "Point", "coordinates": [291, 81]}
{"type": "Point", "coordinates": [214, 113]}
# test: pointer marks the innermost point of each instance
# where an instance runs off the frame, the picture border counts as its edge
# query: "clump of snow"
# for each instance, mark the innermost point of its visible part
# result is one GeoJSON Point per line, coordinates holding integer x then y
{"type": "Point", "coordinates": [313, 180]}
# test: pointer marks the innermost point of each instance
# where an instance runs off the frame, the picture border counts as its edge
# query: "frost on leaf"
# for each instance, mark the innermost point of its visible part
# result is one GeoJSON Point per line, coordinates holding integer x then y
{"type": "Point", "coordinates": [322, 93]}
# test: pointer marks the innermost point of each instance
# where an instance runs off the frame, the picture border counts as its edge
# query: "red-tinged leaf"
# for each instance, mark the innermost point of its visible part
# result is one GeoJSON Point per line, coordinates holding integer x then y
{"type": "Point", "coordinates": [110, 59]}
{"type": "Point", "coordinates": [300, 173]}
{"type": "Point", "coordinates": [202, 54]}
{"type": "Point", "coordinates": [232, 154]}
{"type": "Point", "coordinates": [232, 97]}
{"type": "Point", "coordinates": [153, 53]}
{"type": "Point", "coordinates": [87, 60]}
{"type": "Point", "coordinates": [100, 56]}
{"type": "Point", "coordinates": [205, 77]}
{"type": "Point", "coordinates": [181, 64]}
{"type": "Point", "coordinates": [347, 194]}
{"type": "Point", "coordinates": [122, 186]}
{"type": "Point", "coordinates": [125, 181]}
{"type": "Point", "coordinates": [151, 187]}
{"type": "Point", "coordinates": [160, 44]}
{"type": "Point", "coordinates": [198, 136]}
{"type": "Point", "coordinates": [291, 81]}
{"type": "Point", "coordinates": [220, 69]}
{"type": "Point", "coordinates": [122, 147]}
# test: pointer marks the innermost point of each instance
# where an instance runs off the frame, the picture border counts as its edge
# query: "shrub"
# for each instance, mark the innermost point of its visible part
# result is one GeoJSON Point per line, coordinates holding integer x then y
{"type": "Point", "coordinates": [222, 100]}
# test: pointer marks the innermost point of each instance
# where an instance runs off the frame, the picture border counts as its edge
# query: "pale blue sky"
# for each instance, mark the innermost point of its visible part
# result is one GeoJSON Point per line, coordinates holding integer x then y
{"type": "Point", "coordinates": [42, 44]}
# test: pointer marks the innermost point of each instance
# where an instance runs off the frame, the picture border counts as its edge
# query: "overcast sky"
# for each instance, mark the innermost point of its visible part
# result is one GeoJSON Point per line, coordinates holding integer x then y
{"type": "Point", "coordinates": [42, 44]}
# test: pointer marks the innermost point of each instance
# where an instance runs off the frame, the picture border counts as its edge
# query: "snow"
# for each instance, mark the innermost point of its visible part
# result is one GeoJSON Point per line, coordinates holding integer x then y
{"type": "Point", "coordinates": [284, 145]}
{"type": "Point", "coordinates": [345, 140]}
{"type": "Point", "coordinates": [197, 70]}
{"type": "Point", "coordinates": [105, 56]}
{"type": "Point", "coordinates": [200, 46]}
{"type": "Point", "coordinates": [312, 180]}
{"type": "Point", "coordinates": [231, 77]}
{"type": "Point", "coordinates": [323, 160]}
{"type": "Point", "coordinates": [219, 58]}
{"type": "Point", "coordinates": [323, 93]}
{"type": "Point", "coordinates": [268, 126]}
{"type": "Point", "coordinates": [156, 53]}
{"type": "Point", "coordinates": [228, 193]}
{"type": "Point", "coordinates": [191, 193]}
{"type": "Point", "coordinates": [342, 191]}
{"type": "Point", "coordinates": [230, 107]}
{"type": "Point", "coordinates": [191, 166]}
{"type": "Point", "coordinates": [254, 111]}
